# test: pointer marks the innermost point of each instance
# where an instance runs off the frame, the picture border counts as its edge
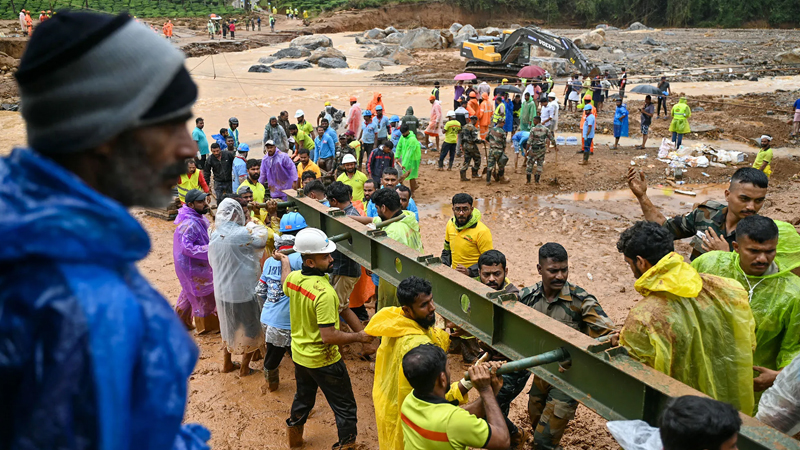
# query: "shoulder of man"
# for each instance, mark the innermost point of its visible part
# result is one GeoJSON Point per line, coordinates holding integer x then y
{"type": "Point", "coordinates": [527, 295]}
{"type": "Point", "coordinates": [711, 209]}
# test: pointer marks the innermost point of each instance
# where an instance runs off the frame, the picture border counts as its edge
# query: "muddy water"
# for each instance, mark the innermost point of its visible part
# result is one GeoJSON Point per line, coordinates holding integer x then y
{"type": "Point", "coordinates": [600, 205]}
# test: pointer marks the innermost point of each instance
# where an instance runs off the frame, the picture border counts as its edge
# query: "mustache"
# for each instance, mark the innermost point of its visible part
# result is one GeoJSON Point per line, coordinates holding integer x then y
{"type": "Point", "coordinates": [173, 170]}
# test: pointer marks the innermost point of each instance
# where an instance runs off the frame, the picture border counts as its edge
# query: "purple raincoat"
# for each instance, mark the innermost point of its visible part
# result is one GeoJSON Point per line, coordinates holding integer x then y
{"type": "Point", "coordinates": [190, 252]}
{"type": "Point", "coordinates": [279, 172]}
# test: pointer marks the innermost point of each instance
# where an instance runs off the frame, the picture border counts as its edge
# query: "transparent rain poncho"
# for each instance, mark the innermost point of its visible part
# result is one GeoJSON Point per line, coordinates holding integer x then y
{"type": "Point", "coordinates": [234, 252]}
{"type": "Point", "coordinates": [780, 405]}
{"type": "Point", "coordinates": [190, 254]}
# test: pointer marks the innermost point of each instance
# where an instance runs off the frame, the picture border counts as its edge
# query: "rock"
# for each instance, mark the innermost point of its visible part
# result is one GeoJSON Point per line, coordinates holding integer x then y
{"type": "Point", "coordinates": [455, 27]}
{"type": "Point", "coordinates": [298, 89]}
{"type": "Point", "coordinates": [590, 41]}
{"type": "Point", "coordinates": [375, 33]}
{"type": "Point", "coordinates": [292, 52]}
{"type": "Point", "coordinates": [312, 42]}
{"type": "Point", "coordinates": [422, 38]}
{"type": "Point", "coordinates": [447, 37]}
{"type": "Point", "coordinates": [490, 31]}
{"type": "Point", "coordinates": [325, 52]}
{"type": "Point", "coordinates": [386, 61]}
{"type": "Point", "coordinates": [292, 65]}
{"type": "Point", "coordinates": [389, 30]}
{"type": "Point", "coordinates": [636, 26]}
{"type": "Point", "coordinates": [770, 113]}
{"type": "Point", "coordinates": [466, 32]}
{"type": "Point", "coordinates": [333, 63]}
{"type": "Point", "coordinates": [618, 51]}
{"type": "Point", "coordinates": [698, 109]}
{"type": "Point", "coordinates": [669, 33]}
{"type": "Point", "coordinates": [259, 68]}
{"type": "Point", "coordinates": [599, 31]}
{"type": "Point", "coordinates": [753, 78]}
{"type": "Point", "coordinates": [393, 38]}
{"type": "Point", "coordinates": [267, 59]}
{"type": "Point", "coordinates": [362, 41]}
{"type": "Point", "coordinates": [377, 52]}
{"type": "Point", "coordinates": [556, 66]}
{"type": "Point", "coordinates": [602, 26]}
{"type": "Point", "coordinates": [402, 56]}
{"type": "Point", "coordinates": [649, 41]}
{"type": "Point", "coordinates": [790, 57]}
{"type": "Point", "coordinates": [537, 51]}
{"type": "Point", "coordinates": [373, 66]}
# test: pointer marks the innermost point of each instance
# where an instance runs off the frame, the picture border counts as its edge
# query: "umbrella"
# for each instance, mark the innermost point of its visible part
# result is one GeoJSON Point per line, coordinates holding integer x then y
{"type": "Point", "coordinates": [646, 89]}
{"type": "Point", "coordinates": [507, 88]}
{"type": "Point", "coordinates": [530, 72]}
{"type": "Point", "coordinates": [465, 76]}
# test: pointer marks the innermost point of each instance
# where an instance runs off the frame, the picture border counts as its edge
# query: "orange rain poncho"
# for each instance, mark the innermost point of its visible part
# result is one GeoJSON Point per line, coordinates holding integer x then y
{"type": "Point", "coordinates": [399, 335]}
{"type": "Point", "coordinates": [696, 328]}
{"type": "Point", "coordinates": [376, 100]}
{"type": "Point", "coordinates": [485, 112]}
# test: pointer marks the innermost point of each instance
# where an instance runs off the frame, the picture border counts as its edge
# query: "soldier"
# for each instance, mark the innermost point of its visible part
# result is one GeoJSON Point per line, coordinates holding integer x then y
{"type": "Point", "coordinates": [536, 148]}
{"type": "Point", "coordinates": [497, 155]}
{"type": "Point", "coordinates": [550, 409]}
{"type": "Point", "coordinates": [470, 139]}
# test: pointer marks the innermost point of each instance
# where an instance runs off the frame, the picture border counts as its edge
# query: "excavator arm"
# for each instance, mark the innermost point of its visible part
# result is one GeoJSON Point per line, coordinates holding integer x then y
{"type": "Point", "coordinates": [561, 46]}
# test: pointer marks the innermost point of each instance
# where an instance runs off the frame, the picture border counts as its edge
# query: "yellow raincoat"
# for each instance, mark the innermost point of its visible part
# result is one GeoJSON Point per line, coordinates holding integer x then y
{"type": "Point", "coordinates": [696, 328]}
{"type": "Point", "coordinates": [680, 117]}
{"type": "Point", "coordinates": [399, 335]}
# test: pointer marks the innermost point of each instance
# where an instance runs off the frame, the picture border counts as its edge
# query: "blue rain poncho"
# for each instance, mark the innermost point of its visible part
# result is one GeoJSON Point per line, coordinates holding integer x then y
{"type": "Point", "coordinates": [91, 355]}
{"type": "Point", "coordinates": [621, 121]}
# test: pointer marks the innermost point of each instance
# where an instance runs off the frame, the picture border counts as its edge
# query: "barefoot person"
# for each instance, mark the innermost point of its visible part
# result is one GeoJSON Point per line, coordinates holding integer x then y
{"type": "Point", "coordinates": [234, 253]}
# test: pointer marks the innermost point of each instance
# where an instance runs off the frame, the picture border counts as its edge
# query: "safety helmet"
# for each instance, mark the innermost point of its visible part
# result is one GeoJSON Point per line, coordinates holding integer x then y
{"type": "Point", "coordinates": [367, 113]}
{"type": "Point", "coordinates": [299, 113]}
{"type": "Point", "coordinates": [244, 147]}
{"type": "Point", "coordinates": [505, 80]}
{"type": "Point", "coordinates": [379, 108]}
{"type": "Point", "coordinates": [327, 103]}
{"type": "Point", "coordinates": [293, 221]}
{"type": "Point", "coordinates": [233, 120]}
{"type": "Point", "coordinates": [312, 241]}
{"type": "Point", "coordinates": [450, 113]}
{"type": "Point", "coordinates": [473, 95]}
{"type": "Point", "coordinates": [349, 158]}
{"type": "Point", "coordinates": [394, 119]}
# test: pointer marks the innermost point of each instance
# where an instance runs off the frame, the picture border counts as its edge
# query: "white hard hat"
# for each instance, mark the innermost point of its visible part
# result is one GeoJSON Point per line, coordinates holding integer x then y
{"type": "Point", "coordinates": [451, 113]}
{"type": "Point", "coordinates": [552, 95]}
{"type": "Point", "coordinates": [299, 113]}
{"type": "Point", "coordinates": [313, 241]}
{"type": "Point", "coordinates": [348, 158]}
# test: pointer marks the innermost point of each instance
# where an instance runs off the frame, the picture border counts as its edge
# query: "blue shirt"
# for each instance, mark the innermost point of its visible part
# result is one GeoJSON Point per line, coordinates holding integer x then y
{"type": "Point", "coordinates": [202, 142]}
{"type": "Point", "coordinates": [383, 126]}
{"type": "Point", "coordinates": [519, 139]}
{"type": "Point", "coordinates": [239, 168]}
{"type": "Point", "coordinates": [276, 304]}
{"type": "Point", "coordinates": [235, 135]}
{"type": "Point", "coordinates": [372, 211]}
{"type": "Point", "coordinates": [396, 135]}
{"type": "Point", "coordinates": [325, 147]}
{"type": "Point", "coordinates": [797, 104]}
{"type": "Point", "coordinates": [588, 127]}
{"type": "Point", "coordinates": [368, 136]}
{"type": "Point", "coordinates": [332, 133]}
{"type": "Point", "coordinates": [221, 141]}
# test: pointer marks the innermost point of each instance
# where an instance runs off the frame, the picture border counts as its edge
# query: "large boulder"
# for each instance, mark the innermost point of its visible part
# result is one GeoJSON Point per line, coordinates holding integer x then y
{"type": "Point", "coordinates": [292, 52]}
{"type": "Point", "coordinates": [267, 59]}
{"type": "Point", "coordinates": [378, 51]}
{"type": "Point", "coordinates": [402, 56]}
{"type": "Point", "coordinates": [490, 31]}
{"type": "Point", "coordinates": [393, 38]}
{"type": "Point", "coordinates": [540, 52]}
{"type": "Point", "coordinates": [636, 26]}
{"type": "Point", "coordinates": [556, 66]}
{"type": "Point", "coordinates": [590, 41]}
{"type": "Point", "coordinates": [466, 32]}
{"type": "Point", "coordinates": [790, 57]}
{"type": "Point", "coordinates": [385, 61]}
{"type": "Point", "coordinates": [325, 52]}
{"type": "Point", "coordinates": [389, 30]}
{"type": "Point", "coordinates": [333, 63]}
{"type": "Point", "coordinates": [259, 68]}
{"type": "Point", "coordinates": [292, 65]}
{"type": "Point", "coordinates": [375, 33]}
{"type": "Point", "coordinates": [312, 42]}
{"type": "Point", "coordinates": [454, 28]}
{"type": "Point", "coordinates": [422, 38]}
{"type": "Point", "coordinates": [447, 38]}
{"type": "Point", "coordinates": [600, 31]}
{"type": "Point", "coordinates": [364, 41]}
{"type": "Point", "coordinates": [372, 65]}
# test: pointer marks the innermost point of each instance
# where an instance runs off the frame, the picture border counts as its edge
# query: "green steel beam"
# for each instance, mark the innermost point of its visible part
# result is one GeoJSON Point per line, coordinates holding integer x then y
{"type": "Point", "coordinates": [604, 379]}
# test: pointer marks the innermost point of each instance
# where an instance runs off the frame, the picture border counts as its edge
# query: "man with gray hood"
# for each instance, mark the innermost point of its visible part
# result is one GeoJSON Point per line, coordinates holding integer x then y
{"type": "Point", "coordinates": [275, 133]}
{"type": "Point", "coordinates": [92, 356]}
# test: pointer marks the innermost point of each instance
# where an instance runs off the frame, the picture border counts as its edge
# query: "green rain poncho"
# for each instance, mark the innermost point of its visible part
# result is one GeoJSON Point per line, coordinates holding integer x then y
{"type": "Point", "coordinates": [407, 233]}
{"type": "Point", "coordinates": [696, 328]}
{"type": "Point", "coordinates": [775, 303]}
{"type": "Point", "coordinates": [680, 117]}
{"type": "Point", "coordinates": [527, 114]}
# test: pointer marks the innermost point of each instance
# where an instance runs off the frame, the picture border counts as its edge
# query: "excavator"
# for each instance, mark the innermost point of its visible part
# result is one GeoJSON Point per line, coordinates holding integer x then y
{"type": "Point", "coordinates": [506, 54]}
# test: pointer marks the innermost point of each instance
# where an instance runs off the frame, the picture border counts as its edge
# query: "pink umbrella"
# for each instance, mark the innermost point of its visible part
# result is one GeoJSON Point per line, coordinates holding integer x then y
{"type": "Point", "coordinates": [465, 76]}
{"type": "Point", "coordinates": [530, 72]}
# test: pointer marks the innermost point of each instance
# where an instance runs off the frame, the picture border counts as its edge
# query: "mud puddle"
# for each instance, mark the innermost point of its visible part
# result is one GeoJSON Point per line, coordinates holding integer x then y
{"type": "Point", "coordinates": [600, 205]}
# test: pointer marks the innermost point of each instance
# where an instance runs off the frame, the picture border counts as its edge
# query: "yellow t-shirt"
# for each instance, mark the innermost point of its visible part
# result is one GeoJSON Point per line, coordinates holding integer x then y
{"type": "Point", "coordinates": [451, 130]}
{"type": "Point", "coordinates": [356, 146]}
{"type": "Point", "coordinates": [305, 138]}
{"type": "Point", "coordinates": [357, 183]}
{"type": "Point", "coordinates": [258, 196]}
{"type": "Point", "coordinates": [311, 166]}
{"type": "Point", "coordinates": [762, 157]}
{"type": "Point", "coordinates": [312, 302]}
{"type": "Point", "coordinates": [431, 423]}
{"type": "Point", "coordinates": [306, 128]}
{"type": "Point", "coordinates": [467, 245]}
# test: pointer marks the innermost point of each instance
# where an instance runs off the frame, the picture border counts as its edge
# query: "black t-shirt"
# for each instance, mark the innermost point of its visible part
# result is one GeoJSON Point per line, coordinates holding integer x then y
{"type": "Point", "coordinates": [663, 86]}
{"type": "Point", "coordinates": [623, 81]}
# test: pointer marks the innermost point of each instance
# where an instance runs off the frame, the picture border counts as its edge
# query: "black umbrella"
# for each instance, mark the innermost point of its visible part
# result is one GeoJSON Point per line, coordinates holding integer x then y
{"type": "Point", "coordinates": [646, 89]}
{"type": "Point", "coordinates": [507, 88]}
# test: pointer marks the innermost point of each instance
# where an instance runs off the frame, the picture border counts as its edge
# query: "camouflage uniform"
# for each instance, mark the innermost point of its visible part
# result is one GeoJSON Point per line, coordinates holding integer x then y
{"type": "Point", "coordinates": [497, 153]}
{"type": "Point", "coordinates": [470, 138]}
{"type": "Point", "coordinates": [710, 214]}
{"type": "Point", "coordinates": [550, 409]}
{"type": "Point", "coordinates": [537, 146]}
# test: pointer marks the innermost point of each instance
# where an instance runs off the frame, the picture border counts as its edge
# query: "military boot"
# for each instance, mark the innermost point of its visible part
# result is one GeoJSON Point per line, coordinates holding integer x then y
{"type": "Point", "coordinates": [538, 175]}
{"type": "Point", "coordinates": [475, 174]}
{"type": "Point", "coordinates": [528, 176]}
{"type": "Point", "coordinates": [489, 177]}
{"type": "Point", "coordinates": [464, 175]}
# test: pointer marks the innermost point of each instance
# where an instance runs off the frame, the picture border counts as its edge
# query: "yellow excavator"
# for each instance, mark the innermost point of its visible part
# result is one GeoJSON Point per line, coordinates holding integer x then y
{"type": "Point", "coordinates": [504, 55]}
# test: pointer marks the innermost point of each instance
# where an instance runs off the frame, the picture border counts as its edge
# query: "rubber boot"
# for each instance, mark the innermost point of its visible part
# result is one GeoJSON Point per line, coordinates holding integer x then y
{"type": "Point", "coordinates": [528, 176]}
{"type": "Point", "coordinates": [464, 175]}
{"type": "Point", "coordinates": [538, 175]}
{"type": "Point", "coordinates": [489, 177]}
{"type": "Point", "coordinates": [475, 173]}
{"type": "Point", "coordinates": [450, 166]}
{"type": "Point", "coordinates": [501, 177]}
{"type": "Point", "coordinates": [295, 436]}
{"type": "Point", "coordinates": [273, 379]}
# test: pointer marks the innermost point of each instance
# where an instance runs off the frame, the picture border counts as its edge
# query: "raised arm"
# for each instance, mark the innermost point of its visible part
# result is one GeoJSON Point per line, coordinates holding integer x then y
{"type": "Point", "coordinates": [638, 186]}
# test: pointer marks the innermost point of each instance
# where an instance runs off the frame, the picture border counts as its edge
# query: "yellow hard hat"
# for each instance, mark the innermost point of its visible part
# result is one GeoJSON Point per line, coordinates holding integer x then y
{"type": "Point", "coordinates": [327, 103]}
{"type": "Point", "coordinates": [505, 80]}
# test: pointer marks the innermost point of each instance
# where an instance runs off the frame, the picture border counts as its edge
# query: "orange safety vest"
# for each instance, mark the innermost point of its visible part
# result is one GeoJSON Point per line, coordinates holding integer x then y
{"type": "Point", "coordinates": [187, 183]}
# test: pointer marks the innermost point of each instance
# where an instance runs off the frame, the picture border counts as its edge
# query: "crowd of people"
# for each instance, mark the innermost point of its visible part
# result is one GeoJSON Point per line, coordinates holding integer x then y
{"type": "Point", "coordinates": [91, 348]}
